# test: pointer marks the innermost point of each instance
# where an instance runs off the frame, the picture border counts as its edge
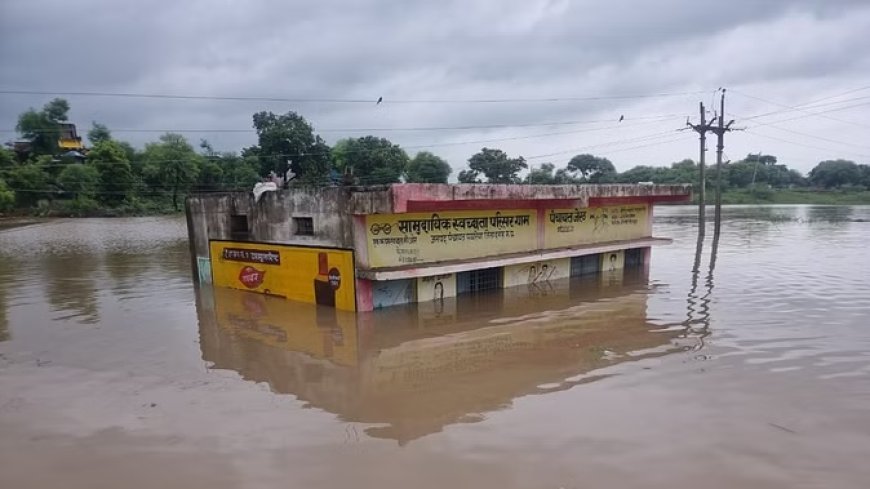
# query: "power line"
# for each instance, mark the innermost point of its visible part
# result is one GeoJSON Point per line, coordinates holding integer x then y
{"type": "Point", "coordinates": [801, 109]}
{"type": "Point", "coordinates": [371, 101]}
{"type": "Point", "coordinates": [391, 129]}
{"type": "Point", "coordinates": [829, 150]}
{"type": "Point", "coordinates": [777, 112]}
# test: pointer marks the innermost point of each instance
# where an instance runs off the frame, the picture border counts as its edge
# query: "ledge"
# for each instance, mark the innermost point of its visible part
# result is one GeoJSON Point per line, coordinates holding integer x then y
{"type": "Point", "coordinates": [455, 266]}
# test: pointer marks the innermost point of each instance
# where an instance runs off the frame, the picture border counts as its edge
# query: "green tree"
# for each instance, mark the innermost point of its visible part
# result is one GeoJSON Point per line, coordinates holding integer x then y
{"type": "Point", "coordinates": [99, 133]}
{"type": "Point", "coordinates": [210, 176]}
{"type": "Point", "coordinates": [468, 176]}
{"type": "Point", "coordinates": [864, 175]}
{"type": "Point", "coordinates": [79, 180]}
{"type": "Point", "coordinates": [239, 172]}
{"type": "Point", "coordinates": [57, 110]}
{"type": "Point", "coordinates": [370, 160]}
{"type": "Point", "coordinates": [7, 158]}
{"type": "Point", "coordinates": [759, 158]}
{"type": "Point", "coordinates": [30, 183]}
{"type": "Point", "coordinates": [543, 175]}
{"type": "Point", "coordinates": [592, 168]}
{"type": "Point", "coordinates": [173, 165]}
{"type": "Point", "coordinates": [116, 179]}
{"type": "Point", "coordinates": [288, 141]}
{"type": "Point", "coordinates": [835, 173]}
{"type": "Point", "coordinates": [7, 197]}
{"type": "Point", "coordinates": [42, 128]}
{"type": "Point", "coordinates": [425, 167]}
{"type": "Point", "coordinates": [495, 165]}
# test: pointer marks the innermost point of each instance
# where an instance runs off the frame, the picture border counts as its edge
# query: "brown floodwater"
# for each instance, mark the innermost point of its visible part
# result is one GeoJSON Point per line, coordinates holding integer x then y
{"type": "Point", "coordinates": [115, 371]}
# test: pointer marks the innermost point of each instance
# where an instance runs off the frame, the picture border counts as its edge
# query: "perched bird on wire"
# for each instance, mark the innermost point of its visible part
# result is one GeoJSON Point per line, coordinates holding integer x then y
{"type": "Point", "coordinates": [380, 99]}
{"type": "Point", "coordinates": [621, 118]}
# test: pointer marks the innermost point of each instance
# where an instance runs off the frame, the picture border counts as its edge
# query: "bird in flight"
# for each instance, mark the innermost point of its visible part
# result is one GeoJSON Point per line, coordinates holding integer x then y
{"type": "Point", "coordinates": [380, 99]}
{"type": "Point", "coordinates": [621, 118]}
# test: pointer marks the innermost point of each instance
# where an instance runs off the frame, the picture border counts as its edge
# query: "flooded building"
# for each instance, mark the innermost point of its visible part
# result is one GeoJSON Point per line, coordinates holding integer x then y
{"type": "Point", "coordinates": [363, 248]}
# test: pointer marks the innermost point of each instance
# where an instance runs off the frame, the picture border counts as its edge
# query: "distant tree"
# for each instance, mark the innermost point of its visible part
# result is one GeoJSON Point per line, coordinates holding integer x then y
{"type": "Point", "coordinates": [99, 133]}
{"type": "Point", "coordinates": [425, 167]}
{"type": "Point", "coordinates": [133, 156]}
{"type": "Point", "coordinates": [592, 168]}
{"type": "Point", "coordinates": [79, 180]}
{"type": "Point", "coordinates": [116, 177]}
{"type": "Point", "coordinates": [239, 172]}
{"type": "Point", "coordinates": [7, 158]}
{"type": "Point", "coordinates": [495, 165]}
{"type": "Point", "coordinates": [370, 160]}
{"type": "Point", "coordinates": [210, 176]}
{"type": "Point", "coordinates": [864, 175]}
{"type": "Point", "coordinates": [57, 110]}
{"type": "Point", "coordinates": [287, 141]}
{"type": "Point", "coordinates": [564, 176]}
{"type": "Point", "coordinates": [173, 165]}
{"type": "Point", "coordinates": [468, 176]}
{"type": "Point", "coordinates": [30, 183]}
{"type": "Point", "coordinates": [643, 173]}
{"type": "Point", "coordinates": [42, 132]}
{"type": "Point", "coordinates": [760, 158]}
{"type": "Point", "coordinates": [835, 173]}
{"type": "Point", "coordinates": [7, 197]}
{"type": "Point", "coordinates": [543, 175]}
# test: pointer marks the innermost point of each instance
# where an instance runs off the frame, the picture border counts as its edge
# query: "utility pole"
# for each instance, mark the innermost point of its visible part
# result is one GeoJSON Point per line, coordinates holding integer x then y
{"type": "Point", "coordinates": [702, 129]}
{"type": "Point", "coordinates": [720, 131]}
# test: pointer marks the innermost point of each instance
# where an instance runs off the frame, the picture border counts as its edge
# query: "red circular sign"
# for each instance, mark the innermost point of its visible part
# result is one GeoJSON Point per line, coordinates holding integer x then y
{"type": "Point", "coordinates": [250, 277]}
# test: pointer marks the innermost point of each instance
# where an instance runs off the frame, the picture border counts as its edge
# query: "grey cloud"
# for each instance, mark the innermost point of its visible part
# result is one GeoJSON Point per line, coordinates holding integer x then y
{"type": "Point", "coordinates": [428, 50]}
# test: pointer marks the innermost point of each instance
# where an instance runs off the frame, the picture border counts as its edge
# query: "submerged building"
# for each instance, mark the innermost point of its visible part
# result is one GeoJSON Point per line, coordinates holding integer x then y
{"type": "Point", "coordinates": [362, 248]}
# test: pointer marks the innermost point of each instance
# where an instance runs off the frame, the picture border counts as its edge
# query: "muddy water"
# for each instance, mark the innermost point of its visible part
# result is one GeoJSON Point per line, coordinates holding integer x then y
{"type": "Point", "coordinates": [116, 372]}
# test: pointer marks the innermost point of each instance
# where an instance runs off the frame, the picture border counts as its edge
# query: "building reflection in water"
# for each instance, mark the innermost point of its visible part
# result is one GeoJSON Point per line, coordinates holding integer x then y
{"type": "Point", "coordinates": [410, 371]}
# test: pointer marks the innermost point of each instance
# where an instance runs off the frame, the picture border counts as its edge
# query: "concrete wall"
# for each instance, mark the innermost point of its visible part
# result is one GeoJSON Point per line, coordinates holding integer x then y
{"type": "Point", "coordinates": [271, 219]}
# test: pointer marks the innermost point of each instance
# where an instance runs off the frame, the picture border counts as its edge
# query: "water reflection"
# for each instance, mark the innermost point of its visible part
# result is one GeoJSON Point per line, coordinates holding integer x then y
{"type": "Point", "coordinates": [410, 371]}
{"type": "Point", "coordinates": [70, 286]}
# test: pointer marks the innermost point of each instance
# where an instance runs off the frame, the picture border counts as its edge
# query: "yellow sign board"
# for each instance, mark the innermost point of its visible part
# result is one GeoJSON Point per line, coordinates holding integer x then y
{"type": "Point", "coordinates": [570, 227]}
{"type": "Point", "coordinates": [322, 276]}
{"type": "Point", "coordinates": [408, 239]}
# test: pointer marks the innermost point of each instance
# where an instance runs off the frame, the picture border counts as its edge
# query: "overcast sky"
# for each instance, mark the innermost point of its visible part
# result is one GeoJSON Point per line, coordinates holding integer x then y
{"type": "Point", "coordinates": [442, 63]}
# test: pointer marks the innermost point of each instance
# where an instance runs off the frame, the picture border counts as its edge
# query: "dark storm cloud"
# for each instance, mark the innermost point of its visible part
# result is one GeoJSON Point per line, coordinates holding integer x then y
{"type": "Point", "coordinates": [786, 50]}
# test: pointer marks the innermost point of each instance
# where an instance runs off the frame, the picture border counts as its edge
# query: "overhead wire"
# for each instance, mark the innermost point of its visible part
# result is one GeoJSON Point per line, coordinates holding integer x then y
{"type": "Point", "coordinates": [372, 101]}
{"type": "Point", "coordinates": [393, 129]}
{"type": "Point", "coordinates": [801, 107]}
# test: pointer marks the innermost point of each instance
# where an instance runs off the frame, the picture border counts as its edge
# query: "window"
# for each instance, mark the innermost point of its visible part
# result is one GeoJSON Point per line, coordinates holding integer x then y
{"type": "Point", "coordinates": [303, 226]}
{"type": "Point", "coordinates": [239, 227]}
{"type": "Point", "coordinates": [634, 258]}
{"type": "Point", "coordinates": [585, 265]}
{"type": "Point", "coordinates": [478, 280]}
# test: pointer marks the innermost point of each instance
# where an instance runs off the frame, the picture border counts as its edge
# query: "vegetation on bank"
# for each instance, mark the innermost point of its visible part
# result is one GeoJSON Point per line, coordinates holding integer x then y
{"type": "Point", "coordinates": [113, 178]}
{"type": "Point", "coordinates": [793, 196]}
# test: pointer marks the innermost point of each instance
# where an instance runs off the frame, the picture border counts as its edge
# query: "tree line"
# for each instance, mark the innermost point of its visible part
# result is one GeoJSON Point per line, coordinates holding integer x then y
{"type": "Point", "coordinates": [113, 177]}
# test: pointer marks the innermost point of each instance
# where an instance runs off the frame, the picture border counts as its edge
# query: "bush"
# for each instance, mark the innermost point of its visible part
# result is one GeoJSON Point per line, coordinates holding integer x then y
{"type": "Point", "coordinates": [78, 207]}
{"type": "Point", "coordinates": [7, 197]}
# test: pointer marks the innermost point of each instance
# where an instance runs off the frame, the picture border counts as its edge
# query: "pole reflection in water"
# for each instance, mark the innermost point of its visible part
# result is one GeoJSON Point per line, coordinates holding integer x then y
{"type": "Point", "coordinates": [410, 371]}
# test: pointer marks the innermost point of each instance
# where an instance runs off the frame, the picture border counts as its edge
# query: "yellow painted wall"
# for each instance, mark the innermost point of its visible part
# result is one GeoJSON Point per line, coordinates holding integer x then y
{"type": "Point", "coordinates": [436, 287]}
{"type": "Point", "coordinates": [319, 332]}
{"type": "Point", "coordinates": [569, 227]}
{"type": "Point", "coordinates": [536, 272]}
{"type": "Point", "coordinates": [406, 239]}
{"type": "Point", "coordinates": [315, 275]}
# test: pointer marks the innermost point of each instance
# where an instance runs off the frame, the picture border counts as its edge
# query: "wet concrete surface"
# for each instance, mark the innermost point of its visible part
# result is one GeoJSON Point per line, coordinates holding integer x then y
{"type": "Point", "coordinates": [115, 371]}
